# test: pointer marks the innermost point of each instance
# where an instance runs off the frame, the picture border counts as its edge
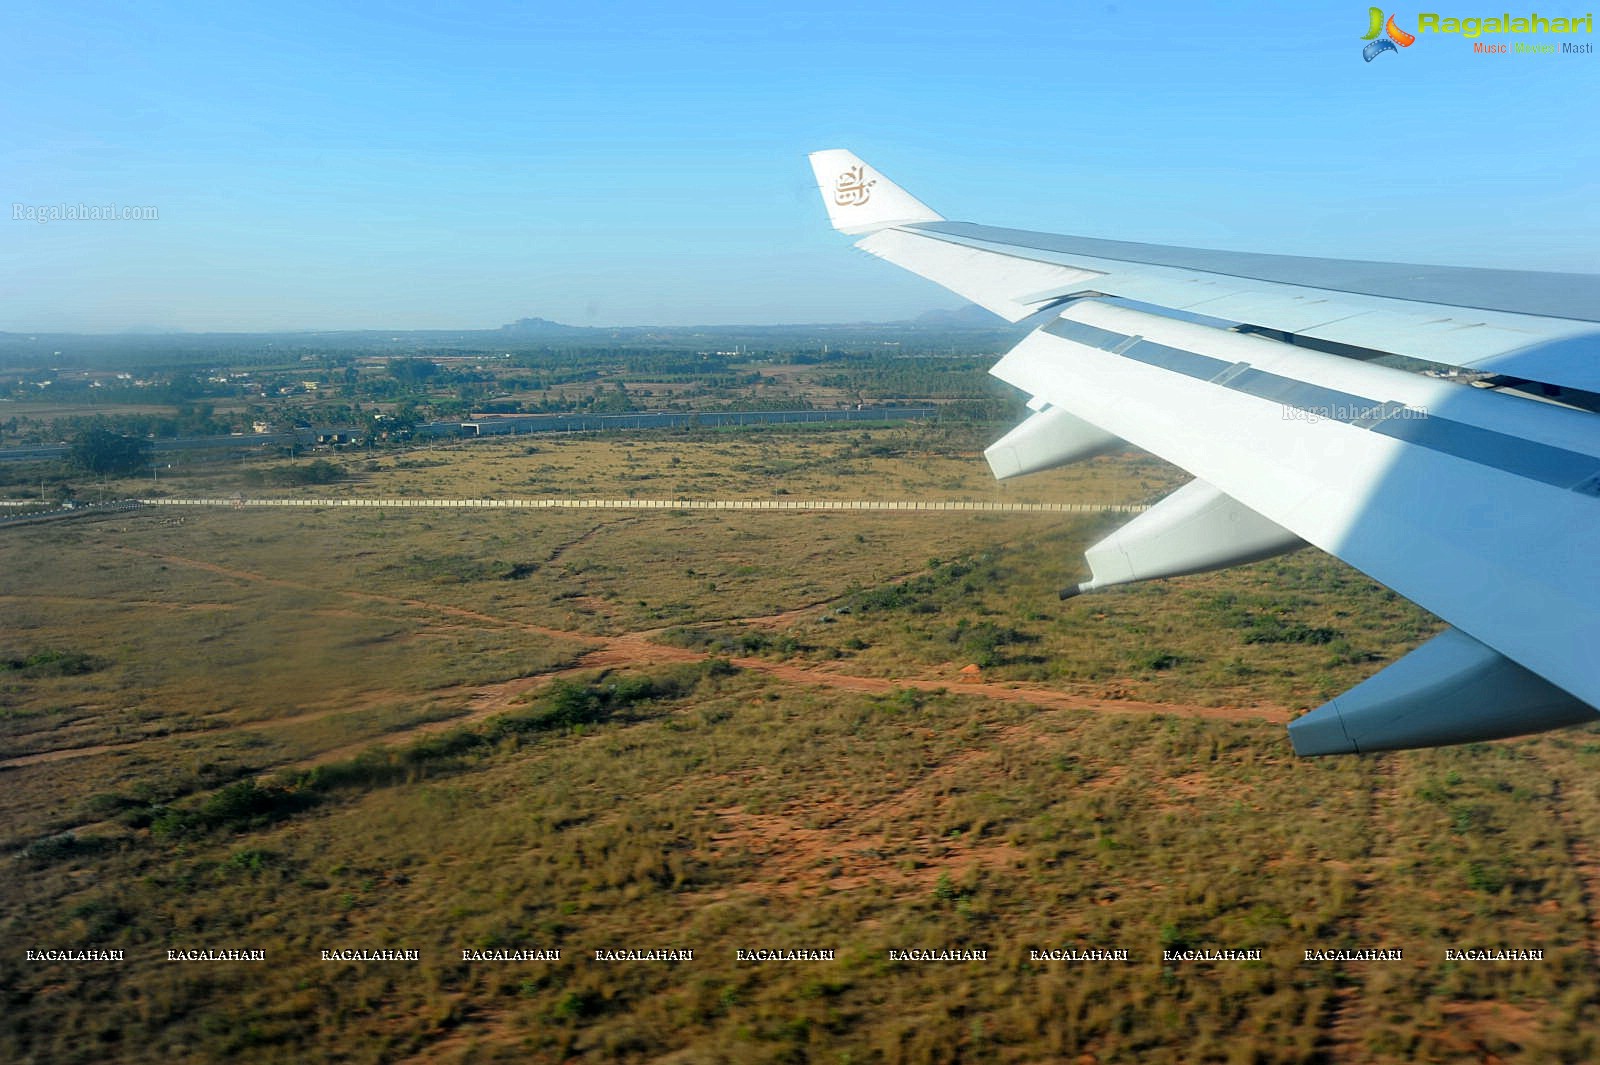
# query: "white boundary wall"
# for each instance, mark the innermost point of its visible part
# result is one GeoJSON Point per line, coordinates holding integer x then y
{"type": "Point", "coordinates": [660, 504]}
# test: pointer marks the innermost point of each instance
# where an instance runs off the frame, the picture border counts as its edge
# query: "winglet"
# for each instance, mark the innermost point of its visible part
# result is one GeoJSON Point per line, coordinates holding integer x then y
{"type": "Point", "coordinates": [861, 200]}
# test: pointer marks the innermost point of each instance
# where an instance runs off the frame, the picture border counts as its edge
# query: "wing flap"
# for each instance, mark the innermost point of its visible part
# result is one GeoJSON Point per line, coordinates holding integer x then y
{"type": "Point", "coordinates": [1425, 335]}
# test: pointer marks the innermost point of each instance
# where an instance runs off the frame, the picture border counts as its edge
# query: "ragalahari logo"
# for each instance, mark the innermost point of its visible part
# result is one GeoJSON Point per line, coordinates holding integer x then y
{"type": "Point", "coordinates": [853, 189]}
{"type": "Point", "coordinates": [1382, 37]}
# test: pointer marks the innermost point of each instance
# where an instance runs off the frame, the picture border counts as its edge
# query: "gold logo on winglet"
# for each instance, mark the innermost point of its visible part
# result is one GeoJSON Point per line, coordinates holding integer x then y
{"type": "Point", "coordinates": [853, 189]}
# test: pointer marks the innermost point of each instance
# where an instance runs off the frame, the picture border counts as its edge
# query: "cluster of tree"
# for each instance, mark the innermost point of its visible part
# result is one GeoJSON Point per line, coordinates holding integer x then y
{"type": "Point", "coordinates": [101, 451]}
{"type": "Point", "coordinates": [319, 472]}
{"type": "Point", "coordinates": [948, 378]}
{"type": "Point", "coordinates": [190, 419]}
{"type": "Point", "coordinates": [983, 411]}
{"type": "Point", "coordinates": [168, 388]}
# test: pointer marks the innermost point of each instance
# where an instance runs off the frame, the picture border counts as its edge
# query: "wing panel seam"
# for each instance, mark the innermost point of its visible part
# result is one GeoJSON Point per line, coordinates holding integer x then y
{"type": "Point", "coordinates": [1545, 463]}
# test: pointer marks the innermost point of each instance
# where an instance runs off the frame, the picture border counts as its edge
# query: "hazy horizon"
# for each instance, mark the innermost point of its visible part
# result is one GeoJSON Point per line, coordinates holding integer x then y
{"type": "Point", "coordinates": [968, 316]}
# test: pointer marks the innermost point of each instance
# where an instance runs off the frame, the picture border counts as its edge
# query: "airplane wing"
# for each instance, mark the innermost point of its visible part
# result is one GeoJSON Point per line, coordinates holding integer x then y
{"type": "Point", "coordinates": [1436, 427]}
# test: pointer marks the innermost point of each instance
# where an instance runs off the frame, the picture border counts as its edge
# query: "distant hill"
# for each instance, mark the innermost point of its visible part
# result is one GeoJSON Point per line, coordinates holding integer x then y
{"type": "Point", "coordinates": [544, 327]}
{"type": "Point", "coordinates": [971, 316]}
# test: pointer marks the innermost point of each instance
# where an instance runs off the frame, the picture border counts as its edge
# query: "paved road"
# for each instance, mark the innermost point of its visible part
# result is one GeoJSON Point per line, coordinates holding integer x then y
{"type": "Point", "coordinates": [513, 425]}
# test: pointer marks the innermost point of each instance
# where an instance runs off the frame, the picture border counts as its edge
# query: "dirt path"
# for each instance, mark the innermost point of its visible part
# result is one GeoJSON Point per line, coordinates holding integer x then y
{"type": "Point", "coordinates": [1583, 860]}
{"type": "Point", "coordinates": [585, 537]}
{"type": "Point", "coordinates": [1044, 697]}
{"type": "Point", "coordinates": [1349, 1019]}
{"type": "Point", "coordinates": [100, 604]}
{"type": "Point", "coordinates": [637, 649]}
{"type": "Point", "coordinates": [367, 597]}
{"type": "Point", "coordinates": [224, 728]}
{"type": "Point", "coordinates": [627, 650]}
{"type": "Point", "coordinates": [490, 699]}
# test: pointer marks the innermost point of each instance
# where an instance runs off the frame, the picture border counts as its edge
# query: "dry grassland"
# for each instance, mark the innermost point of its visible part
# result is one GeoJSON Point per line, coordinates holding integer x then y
{"type": "Point", "coordinates": [448, 731]}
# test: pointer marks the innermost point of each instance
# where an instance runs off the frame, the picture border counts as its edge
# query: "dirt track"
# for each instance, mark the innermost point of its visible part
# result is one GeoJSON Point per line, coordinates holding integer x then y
{"type": "Point", "coordinates": [637, 649]}
{"type": "Point", "coordinates": [625, 650]}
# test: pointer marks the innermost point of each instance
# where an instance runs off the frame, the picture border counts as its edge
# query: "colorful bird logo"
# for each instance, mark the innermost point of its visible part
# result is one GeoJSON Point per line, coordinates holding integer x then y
{"type": "Point", "coordinates": [1393, 35]}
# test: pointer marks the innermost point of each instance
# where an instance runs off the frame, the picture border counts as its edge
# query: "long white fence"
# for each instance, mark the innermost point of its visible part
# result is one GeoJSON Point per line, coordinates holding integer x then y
{"type": "Point", "coordinates": [655, 504]}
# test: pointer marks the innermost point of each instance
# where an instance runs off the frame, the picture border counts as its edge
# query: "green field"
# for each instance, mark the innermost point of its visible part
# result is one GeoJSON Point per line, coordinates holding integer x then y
{"type": "Point", "coordinates": [309, 729]}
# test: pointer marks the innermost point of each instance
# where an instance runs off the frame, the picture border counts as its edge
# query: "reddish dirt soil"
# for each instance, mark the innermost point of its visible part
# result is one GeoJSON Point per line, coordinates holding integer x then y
{"type": "Point", "coordinates": [627, 650]}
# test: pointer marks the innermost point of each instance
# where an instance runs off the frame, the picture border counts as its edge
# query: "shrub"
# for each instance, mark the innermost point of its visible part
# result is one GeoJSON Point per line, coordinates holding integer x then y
{"type": "Point", "coordinates": [62, 847]}
{"type": "Point", "coordinates": [50, 664]}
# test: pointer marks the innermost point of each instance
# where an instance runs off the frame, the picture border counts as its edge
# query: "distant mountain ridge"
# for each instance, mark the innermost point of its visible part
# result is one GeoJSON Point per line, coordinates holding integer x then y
{"type": "Point", "coordinates": [970, 316]}
{"type": "Point", "coordinates": [545, 327]}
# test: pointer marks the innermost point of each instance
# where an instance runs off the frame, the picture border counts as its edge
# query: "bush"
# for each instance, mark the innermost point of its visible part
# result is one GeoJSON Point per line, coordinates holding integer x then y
{"type": "Point", "coordinates": [569, 704]}
{"type": "Point", "coordinates": [319, 472]}
{"type": "Point", "coordinates": [50, 664]}
{"type": "Point", "coordinates": [242, 805]}
{"type": "Point", "coordinates": [61, 848]}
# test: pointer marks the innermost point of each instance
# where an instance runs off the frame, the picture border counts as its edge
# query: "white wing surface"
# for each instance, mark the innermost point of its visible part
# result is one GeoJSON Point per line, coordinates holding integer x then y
{"type": "Point", "coordinates": [1274, 380]}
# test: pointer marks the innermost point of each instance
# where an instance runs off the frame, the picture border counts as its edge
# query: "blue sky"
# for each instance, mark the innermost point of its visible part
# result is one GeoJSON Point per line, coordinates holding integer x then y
{"type": "Point", "coordinates": [323, 166]}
